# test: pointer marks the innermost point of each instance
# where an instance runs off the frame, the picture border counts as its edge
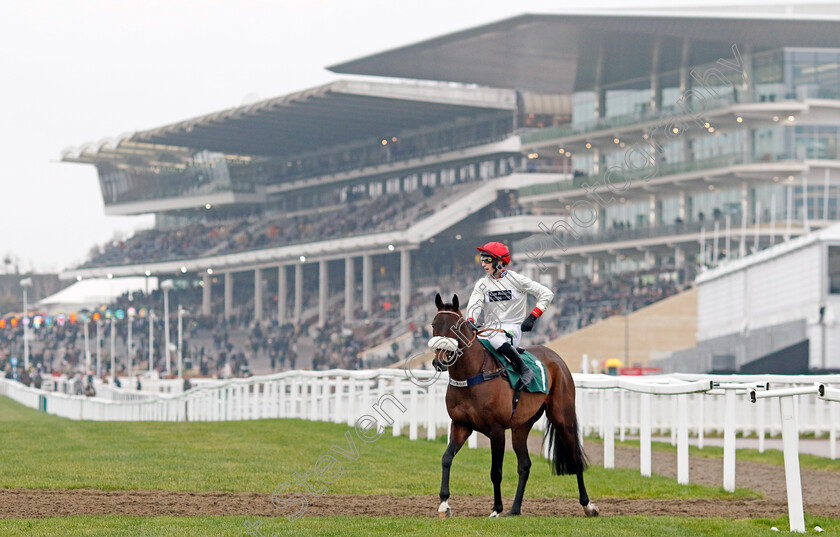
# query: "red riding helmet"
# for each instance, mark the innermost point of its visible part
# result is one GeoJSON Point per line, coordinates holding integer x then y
{"type": "Point", "coordinates": [497, 250]}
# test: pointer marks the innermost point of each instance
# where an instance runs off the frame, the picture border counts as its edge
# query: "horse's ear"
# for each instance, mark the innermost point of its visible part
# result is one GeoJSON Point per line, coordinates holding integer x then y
{"type": "Point", "coordinates": [438, 302]}
{"type": "Point", "coordinates": [455, 302]}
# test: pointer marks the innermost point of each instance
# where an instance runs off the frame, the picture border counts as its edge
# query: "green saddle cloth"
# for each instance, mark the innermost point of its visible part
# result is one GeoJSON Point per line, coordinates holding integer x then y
{"type": "Point", "coordinates": [540, 382]}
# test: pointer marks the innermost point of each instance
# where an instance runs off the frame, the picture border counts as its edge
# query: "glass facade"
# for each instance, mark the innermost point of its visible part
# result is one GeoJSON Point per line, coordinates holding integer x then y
{"type": "Point", "coordinates": [669, 90]}
{"type": "Point", "coordinates": [784, 74]}
{"type": "Point", "coordinates": [718, 144]}
{"type": "Point", "coordinates": [789, 74]}
{"type": "Point", "coordinates": [812, 73]}
{"type": "Point", "coordinates": [204, 173]}
{"type": "Point", "coordinates": [629, 101]}
{"type": "Point", "coordinates": [768, 77]}
{"type": "Point", "coordinates": [584, 107]}
{"type": "Point", "coordinates": [631, 215]}
{"type": "Point", "coordinates": [816, 142]}
{"type": "Point", "coordinates": [775, 76]}
{"type": "Point", "coordinates": [209, 172]}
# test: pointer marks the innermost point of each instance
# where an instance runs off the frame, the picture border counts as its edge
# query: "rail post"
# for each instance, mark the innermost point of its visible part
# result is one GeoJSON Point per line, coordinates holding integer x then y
{"type": "Point", "coordinates": [682, 439]}
{"type": "Point", "coordinates": [608, 421]}
{"type": "Point", "coordinates": [790, 444]}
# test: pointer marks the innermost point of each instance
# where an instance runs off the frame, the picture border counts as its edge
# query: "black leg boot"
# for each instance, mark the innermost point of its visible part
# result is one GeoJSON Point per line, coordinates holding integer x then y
{"type": "Point", "coordinates": [513, 357]}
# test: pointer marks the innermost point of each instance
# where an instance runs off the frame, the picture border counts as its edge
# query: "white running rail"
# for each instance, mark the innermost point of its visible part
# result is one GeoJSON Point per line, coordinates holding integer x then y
{"type": "Point", "coordinates": [674, 405]}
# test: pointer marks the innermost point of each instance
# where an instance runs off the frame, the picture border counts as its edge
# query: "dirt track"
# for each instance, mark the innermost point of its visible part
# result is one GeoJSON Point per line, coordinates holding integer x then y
{"type": "Point", "coordinates": [46, 503]}
{"type": "Point", "coordinates": [821, 492]}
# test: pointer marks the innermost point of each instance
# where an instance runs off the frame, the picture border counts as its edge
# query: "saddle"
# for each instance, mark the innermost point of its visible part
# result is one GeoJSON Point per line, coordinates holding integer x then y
{"type": "Point", "coordinates": [540, 382]}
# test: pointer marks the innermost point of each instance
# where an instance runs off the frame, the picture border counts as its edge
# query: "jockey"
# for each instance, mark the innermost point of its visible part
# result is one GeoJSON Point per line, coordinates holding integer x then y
{"type": "Point", "coordinates": [501, 295]}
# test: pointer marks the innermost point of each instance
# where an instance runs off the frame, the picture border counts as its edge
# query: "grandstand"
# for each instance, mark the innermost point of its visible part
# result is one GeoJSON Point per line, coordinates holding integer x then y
{"type": "Point", "coordinates": [775, 310]}
{"type": "Point", "coordinates": [616, 152]}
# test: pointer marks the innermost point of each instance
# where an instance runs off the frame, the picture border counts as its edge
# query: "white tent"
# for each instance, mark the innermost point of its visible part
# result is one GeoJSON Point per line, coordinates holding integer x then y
{"type": "Point", "coordinates": [93, 293]}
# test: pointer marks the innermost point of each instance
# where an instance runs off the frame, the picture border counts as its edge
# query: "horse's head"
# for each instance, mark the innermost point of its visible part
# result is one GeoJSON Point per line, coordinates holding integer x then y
{"type": "Point", "coordinates": [449, 333]}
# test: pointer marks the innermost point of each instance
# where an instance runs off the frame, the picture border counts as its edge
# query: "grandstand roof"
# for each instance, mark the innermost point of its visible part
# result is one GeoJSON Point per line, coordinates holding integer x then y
{"type": "Point", "coordinates": [333, 114]}
{"type": "Point", "coordinates": [559, 53]}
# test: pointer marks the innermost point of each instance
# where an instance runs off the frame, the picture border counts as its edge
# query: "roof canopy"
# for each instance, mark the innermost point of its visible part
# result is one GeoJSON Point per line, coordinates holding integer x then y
{"type": "Point", "coordinates": [91, 293]}
{"type": "Point", "coordinates": [559, 53]}
{"type": "Point", "coordinates": [341, 112]}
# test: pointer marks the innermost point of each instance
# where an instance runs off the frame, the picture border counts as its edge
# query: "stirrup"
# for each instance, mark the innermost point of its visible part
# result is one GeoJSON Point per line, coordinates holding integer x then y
{"type": "Point", "coordinates": [522, 377]}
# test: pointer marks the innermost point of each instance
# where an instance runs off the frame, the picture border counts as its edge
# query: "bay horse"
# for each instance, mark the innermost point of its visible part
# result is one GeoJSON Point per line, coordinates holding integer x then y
{"type": "Point", "coordinates": [480, 399]}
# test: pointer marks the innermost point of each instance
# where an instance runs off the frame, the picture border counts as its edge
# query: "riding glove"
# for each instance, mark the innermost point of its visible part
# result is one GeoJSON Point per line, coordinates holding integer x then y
{"type": "Point", "coordinates": [528, 324]}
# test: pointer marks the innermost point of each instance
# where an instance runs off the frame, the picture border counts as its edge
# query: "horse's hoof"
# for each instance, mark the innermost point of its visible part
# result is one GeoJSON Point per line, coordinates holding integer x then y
{"type": "Point", "coordinates": [494, 514]}
{"type": "Point", "coordinates": [591, 509]}
{"type": "Point", "coordinates": [511, 513]}
{"type": "Point", "coordinates": [444, 511]}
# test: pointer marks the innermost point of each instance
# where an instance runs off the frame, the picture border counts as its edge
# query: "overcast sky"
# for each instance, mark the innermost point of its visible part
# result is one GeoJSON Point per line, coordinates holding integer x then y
{"type": "Point", "coordinates": [74, 71]}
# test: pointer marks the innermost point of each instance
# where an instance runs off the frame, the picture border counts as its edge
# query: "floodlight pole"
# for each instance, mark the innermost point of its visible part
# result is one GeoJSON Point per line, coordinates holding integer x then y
{"type": "Point", "coordinates": [25, 283]}
{"type": "Point", "coordinates": [87, 345]}
{"type": "Point", "coordinates": [98, 348]}
{"type": "Point", "coordinates": [166, 328]}
{"type": "Point", "coordinates": [113, 352]}
{"type": "Point", "coordinates": [151, 340]}
{"type": "Point", "coordinates": [166, 286]}
{"type": "Point", "coordinates": [130, 318]}
{"type": "Point", "coordinates": [180, 338]}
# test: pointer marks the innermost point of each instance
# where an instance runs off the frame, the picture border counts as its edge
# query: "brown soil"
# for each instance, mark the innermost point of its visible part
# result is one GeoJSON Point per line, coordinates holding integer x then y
{"type": "Point", "coordinates": [821, 493]}
{"type": "Point", "coordinates": [820, 488]}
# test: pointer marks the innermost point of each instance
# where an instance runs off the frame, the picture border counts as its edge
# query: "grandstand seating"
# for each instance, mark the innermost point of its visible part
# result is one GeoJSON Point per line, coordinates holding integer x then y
{"type": "Point", "coordinates": [385, 213]}
{"type": "Point", "coordinates": [581, 302]}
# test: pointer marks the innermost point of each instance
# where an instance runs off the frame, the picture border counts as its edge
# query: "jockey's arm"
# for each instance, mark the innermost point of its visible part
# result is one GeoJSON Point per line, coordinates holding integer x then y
{"type": "Point", "coordinates": [543, 294]}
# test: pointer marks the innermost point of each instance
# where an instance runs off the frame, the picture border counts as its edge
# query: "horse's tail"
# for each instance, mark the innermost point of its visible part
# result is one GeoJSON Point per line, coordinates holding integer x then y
{"type": "Point", "coordinates": [567, 456]}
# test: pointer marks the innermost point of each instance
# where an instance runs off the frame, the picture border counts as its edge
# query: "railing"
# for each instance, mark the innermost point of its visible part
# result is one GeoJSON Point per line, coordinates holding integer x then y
{"type": "Point", "coordinates": [672, 405]}
{"type": "Point", "coordinates": [708, 105]}
{"type": "Point", "coordinates": [660, 170]}
{"type": "Point", "coordinates": [331, 395]}
{"type": "Point", "coordinates": [562, 131]}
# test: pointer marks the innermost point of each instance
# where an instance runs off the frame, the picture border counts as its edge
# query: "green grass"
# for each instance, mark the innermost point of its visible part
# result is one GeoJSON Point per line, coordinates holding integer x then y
{"type": "Point", "coordinates": [770, 456]}
{"type": "Point", "coordinates": [42, 451]}
{"type": "Point", "coordinates": [114, 526]}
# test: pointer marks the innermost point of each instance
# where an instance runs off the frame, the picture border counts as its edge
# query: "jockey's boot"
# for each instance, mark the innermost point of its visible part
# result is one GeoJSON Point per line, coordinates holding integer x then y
{"type": "Point", "coordinates": [513, 357]}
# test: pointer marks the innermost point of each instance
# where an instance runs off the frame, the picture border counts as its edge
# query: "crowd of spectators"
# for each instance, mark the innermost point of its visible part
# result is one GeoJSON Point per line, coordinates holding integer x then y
{"type": "Point", "coordinates": [211, 348]}
{"type": "Point", "coordinates": [216, 347]}
{"type": "Point", "coordinates": [384, 213]}
{"type": "Point", "coordinates": [55, 348]}
{"type": "Point", "coordinates": [155, 245]}
{"type": "Point", "coordinates": [580, 302]}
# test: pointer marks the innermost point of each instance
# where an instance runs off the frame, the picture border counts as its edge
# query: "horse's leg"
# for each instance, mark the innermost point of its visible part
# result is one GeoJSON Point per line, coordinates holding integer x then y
{"type": "Point", "coordinates": [497, 447]}
{"type": "Point", "coordinates": [458, 435]}
{"type": "Point", "coordinates": [588, 507]}
{"type": "Point", "coordinates": [520, 447]}
{"type": "Point", "coordinates": [567, 448]}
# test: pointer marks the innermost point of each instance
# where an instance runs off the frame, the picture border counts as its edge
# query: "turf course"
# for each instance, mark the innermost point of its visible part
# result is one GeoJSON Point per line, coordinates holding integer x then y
{"type": "Point", "coordinates": [43, 451]}
{"type": "Point", "coordinates": [420, 527]}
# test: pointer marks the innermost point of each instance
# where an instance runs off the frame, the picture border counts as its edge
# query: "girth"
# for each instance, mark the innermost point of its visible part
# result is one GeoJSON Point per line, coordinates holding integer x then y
{"type": "Point", "coordinates": [477, 379]}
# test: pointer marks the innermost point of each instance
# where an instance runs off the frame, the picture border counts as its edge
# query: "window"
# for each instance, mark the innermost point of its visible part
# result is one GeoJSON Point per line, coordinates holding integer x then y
{"type": "Point", "coordinates": [487, 170]}
{"type": "Point", "coordinates": [375, 189]}
{"type": "Point", "coordinates": [834, 270]}
{"type": "Point", "coordinates": [392, 186]}
{"type": "Point", "coordinates": [410, 183]}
